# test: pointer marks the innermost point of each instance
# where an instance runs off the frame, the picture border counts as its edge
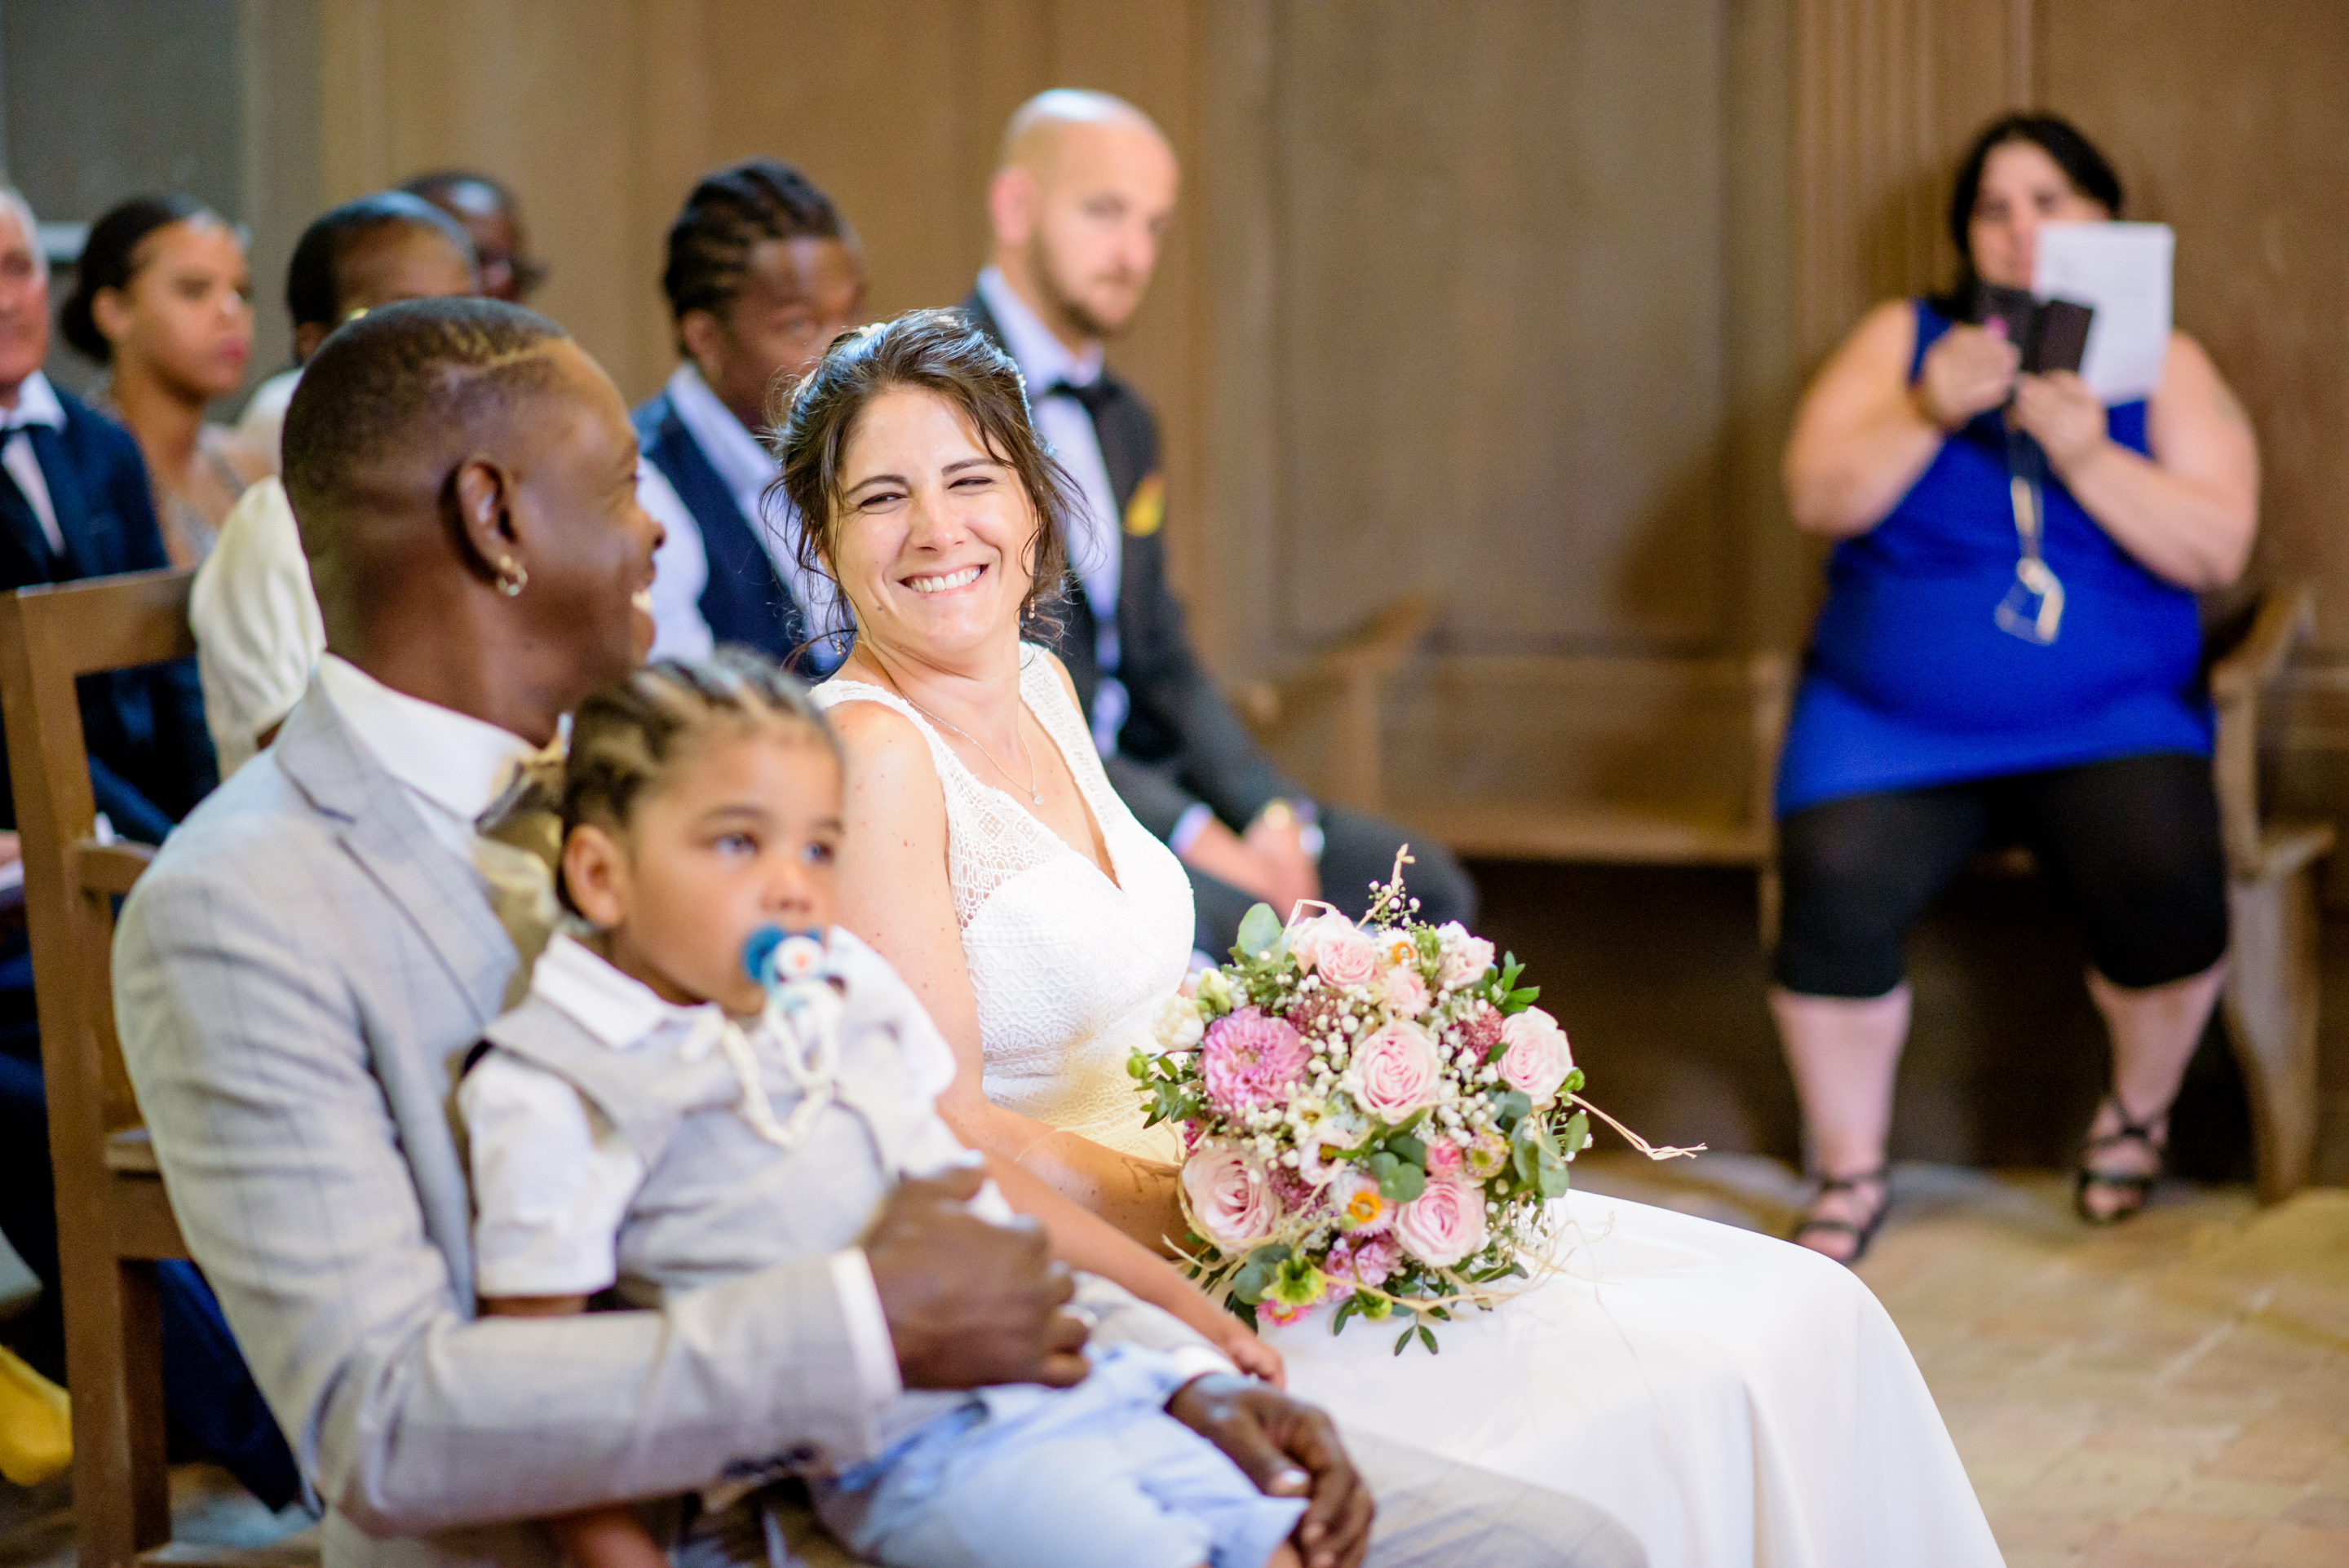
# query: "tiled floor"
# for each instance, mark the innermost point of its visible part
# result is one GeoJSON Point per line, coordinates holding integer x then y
{"type": "Point", "coordinates": [2173, 1391]}
{"type": "Point", "coordinates": [2168, 1392]}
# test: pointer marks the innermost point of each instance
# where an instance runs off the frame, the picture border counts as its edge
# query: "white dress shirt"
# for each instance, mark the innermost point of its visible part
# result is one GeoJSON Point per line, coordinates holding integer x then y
{"type": "Point", "coordinates": [552, 1180]}
{"type": "Point", "coordinates": [746, 467]}
{"type": "Point", "coordinates": [256, 616]}
{"type": "Point", "coordinates": [681, 570]}
{"type": "Point", "coordinates": [37, 404]}
{"type": "Point", "coordinates": [1096, 545]}
{"type": "Point", "coordinates": [263, 423]}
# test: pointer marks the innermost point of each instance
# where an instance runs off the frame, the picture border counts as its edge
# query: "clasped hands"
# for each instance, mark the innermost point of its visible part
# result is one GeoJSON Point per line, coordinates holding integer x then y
{"type": "Point", "coordinates": [1974, 369]}
{"type": "Point", "coordinates": [1269, 861]}
{"type": "Point", "coordinates": [970, 1302]}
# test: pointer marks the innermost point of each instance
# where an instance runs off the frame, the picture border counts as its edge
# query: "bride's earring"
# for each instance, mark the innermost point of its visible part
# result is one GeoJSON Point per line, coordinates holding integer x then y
{"type": "Point", "coordinates": [512, 576]}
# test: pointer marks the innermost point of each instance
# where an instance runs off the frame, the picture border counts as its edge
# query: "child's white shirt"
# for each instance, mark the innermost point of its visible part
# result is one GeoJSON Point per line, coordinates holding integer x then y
{"type": "Point", "coordinates": [552, 1179]}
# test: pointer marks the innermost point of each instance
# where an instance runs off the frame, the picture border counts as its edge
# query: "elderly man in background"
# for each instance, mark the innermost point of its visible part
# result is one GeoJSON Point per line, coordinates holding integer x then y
{"type": "Point", "coordinates": [256, 617]}
{"type": "Point", "coordinates": [74, 504]}
{"type": "Point", "coordinates": [1079, 206]}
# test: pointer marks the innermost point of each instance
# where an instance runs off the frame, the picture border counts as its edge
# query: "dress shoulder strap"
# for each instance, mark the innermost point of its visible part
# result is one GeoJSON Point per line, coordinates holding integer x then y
{"type": "Point", "coordinates": [832, 693]}
{"type": "Point", "coordinates": [1064, 721]}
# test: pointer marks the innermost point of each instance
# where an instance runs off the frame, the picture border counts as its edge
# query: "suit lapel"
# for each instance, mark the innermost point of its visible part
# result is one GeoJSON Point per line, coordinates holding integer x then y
{"type": "Point", "coordinates": [445, 899]}
{"type": "Point", "coordinates": [24, 554]}
{"type": "Point", "coordinates": [84, 555]}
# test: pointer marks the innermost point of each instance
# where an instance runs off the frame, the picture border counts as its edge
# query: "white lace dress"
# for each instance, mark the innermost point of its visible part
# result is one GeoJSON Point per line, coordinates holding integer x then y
{"type": "Point", "coordinates": [1733, 1399]}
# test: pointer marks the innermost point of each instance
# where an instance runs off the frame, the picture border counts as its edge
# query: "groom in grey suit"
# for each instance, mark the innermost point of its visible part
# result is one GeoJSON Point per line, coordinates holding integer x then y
{"type": "Point", "coordinates": [300, 977]}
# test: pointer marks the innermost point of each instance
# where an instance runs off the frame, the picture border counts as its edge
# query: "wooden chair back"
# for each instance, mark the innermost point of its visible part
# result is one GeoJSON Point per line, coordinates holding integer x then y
{"type": "Point", "coordinates": [113, 1221]}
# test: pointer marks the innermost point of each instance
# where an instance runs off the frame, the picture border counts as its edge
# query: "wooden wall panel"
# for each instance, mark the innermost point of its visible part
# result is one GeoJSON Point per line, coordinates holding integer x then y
{"type": "Point", "coordinates": [1888, 93]}
{"type": "Point", "coordinates": [2232, 124]}
{"type": "Point", "coordinates": [1500, 333]}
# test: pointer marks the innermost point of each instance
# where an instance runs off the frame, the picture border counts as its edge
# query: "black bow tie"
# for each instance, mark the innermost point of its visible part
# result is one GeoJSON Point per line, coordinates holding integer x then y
{"type": "Point", "coordinates": [1093, 394]}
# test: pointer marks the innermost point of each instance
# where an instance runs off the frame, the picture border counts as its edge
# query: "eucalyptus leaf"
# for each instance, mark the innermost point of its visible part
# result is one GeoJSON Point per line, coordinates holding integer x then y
{"type": "Point", "coordinates": [1259, 930]}
{"type": "Point", "coordinates": [1427, 1338]}
{"type": "Point", "coordinates": [1404, 1343]}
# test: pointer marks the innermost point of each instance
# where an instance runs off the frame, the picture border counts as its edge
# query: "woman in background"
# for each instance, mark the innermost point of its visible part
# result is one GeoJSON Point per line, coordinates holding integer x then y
{"type": "Point", "coordinates": [162, 298]}
{"type": "Point", "coordinates": [1951, 700]}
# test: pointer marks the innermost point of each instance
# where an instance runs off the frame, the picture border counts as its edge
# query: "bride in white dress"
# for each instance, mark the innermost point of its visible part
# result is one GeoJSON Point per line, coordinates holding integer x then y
{"type": "Point", "coordinates": [1732, 1398]}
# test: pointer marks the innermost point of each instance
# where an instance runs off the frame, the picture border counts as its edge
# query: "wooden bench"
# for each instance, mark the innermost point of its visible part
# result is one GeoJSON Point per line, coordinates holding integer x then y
{"type": "Point", "coordinates": [2271, 1002]}
{"type": "Point", "coordinates": [114, 1222]}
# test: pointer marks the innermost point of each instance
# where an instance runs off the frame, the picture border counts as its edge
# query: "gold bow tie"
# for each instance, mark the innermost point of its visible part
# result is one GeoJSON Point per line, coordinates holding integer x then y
{"type": "Point", "coordinates": [518, 848]}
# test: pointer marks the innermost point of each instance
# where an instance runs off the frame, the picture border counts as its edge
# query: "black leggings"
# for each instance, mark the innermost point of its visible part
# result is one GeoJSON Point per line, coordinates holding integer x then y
{"type": "Point", "coordinates": [2132, 843]}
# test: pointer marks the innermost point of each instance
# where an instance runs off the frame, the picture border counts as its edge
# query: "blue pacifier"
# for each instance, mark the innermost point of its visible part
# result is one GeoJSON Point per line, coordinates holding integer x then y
{"type": "Point", "coordinates": [775, 957]}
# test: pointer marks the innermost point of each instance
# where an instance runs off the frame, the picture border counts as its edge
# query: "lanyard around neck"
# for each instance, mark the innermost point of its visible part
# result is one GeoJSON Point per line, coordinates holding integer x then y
{"type": "Point", "coordinates": [2033, 607]}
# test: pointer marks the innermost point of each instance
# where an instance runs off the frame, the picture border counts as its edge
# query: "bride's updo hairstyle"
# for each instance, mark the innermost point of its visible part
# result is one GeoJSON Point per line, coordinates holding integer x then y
{"type": "Point", "coordinates": [934, 351]}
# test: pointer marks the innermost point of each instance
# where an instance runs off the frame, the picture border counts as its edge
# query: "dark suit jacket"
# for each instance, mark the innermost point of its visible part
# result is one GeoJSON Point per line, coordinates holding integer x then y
{"type": "Point", "coordinates": [1181, 742]}
{"type": "Point", "coordinates": [151, 758]}
{"type": "Point", "coordinates": [745, 601]}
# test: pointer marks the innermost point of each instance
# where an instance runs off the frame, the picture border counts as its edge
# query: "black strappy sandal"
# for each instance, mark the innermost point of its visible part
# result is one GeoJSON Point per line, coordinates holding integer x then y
{"type": "Point", "coordinates": [2136, 1185]}
{"type": "Point", "coordinates": [1862, 1232]}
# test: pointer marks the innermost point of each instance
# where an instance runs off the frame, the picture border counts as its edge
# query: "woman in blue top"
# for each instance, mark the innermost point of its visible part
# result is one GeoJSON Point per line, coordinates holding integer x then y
{"type": "Point", "coordinates": [1955, 695]}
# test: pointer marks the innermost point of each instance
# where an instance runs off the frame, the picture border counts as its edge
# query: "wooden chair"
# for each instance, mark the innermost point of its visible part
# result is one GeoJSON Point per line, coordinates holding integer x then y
{"type": "Point", "coordinates": [1338, 695]}
{"type": "Point", "coordinates": [113, 1221]}
{"type": "Point", "coordinates": [2269, 1005]}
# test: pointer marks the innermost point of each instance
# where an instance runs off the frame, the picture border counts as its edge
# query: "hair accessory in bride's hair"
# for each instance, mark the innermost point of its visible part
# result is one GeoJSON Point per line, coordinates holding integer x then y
{"type": "Point", "coordinates": [1376, 1118]}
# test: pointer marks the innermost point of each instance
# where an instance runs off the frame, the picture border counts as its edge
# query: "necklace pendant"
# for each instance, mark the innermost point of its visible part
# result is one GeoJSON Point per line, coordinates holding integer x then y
{"type": "Point", "coordinates": [1036, 799]}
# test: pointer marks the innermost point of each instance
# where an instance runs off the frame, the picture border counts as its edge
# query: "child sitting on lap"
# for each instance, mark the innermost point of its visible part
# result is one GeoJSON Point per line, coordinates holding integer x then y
{"type": "Point", "coordinates": [653, 1117]}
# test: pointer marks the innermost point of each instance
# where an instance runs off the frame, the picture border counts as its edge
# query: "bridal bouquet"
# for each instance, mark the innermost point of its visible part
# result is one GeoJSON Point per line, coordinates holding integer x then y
{"type": "Point", "coordinates": [1374, 1117]}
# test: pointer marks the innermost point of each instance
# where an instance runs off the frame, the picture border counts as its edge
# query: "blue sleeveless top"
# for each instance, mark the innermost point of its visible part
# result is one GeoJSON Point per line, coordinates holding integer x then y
{"type": "Point", "coordinates": [1910, 682]}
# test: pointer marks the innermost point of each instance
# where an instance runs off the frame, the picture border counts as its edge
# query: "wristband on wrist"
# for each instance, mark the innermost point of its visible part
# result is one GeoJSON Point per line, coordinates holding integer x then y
{"type": "Point", "coordinates": [1303, 815]}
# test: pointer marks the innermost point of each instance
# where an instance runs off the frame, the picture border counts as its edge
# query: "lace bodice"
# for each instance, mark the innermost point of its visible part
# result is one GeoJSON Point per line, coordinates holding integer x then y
{"type": "Point", "coordinates": [1067, 967]}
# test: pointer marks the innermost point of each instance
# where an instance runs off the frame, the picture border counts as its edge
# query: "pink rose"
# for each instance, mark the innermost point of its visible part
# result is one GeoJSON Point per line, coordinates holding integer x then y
{"type": "Point", "coordinates": [1444, 1224]}
{"type": "Point", "coordinates": [1250, 1060]}
{"type": "Point", "coordinates": [1444, 1158]}
{"type": "Point", "coordinates": [1363, 1260]}
{"type": "Point", "coordinates": [1305, 941]}
{"type": "Point", "coordinates": [1395, 1072]}
{"type": "Point", "coordinates": [1343, 955]}
{"type": "Point", "coordinates": [1461, 958]}
{"type": "Point", "coordinates": [1536, 1057]}
{"type": "Point", "coordinates": [1231, 1196]}
{"type": "Point", "coordinates": [1406, 993]}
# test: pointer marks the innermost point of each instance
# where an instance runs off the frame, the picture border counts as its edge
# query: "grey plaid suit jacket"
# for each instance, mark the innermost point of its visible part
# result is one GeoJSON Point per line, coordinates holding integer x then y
{"type": "Point", "coordinates": [297, 980]}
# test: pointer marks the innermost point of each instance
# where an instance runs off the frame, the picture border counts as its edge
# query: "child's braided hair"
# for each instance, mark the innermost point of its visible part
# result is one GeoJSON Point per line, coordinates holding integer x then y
{"type": "Point", "coordinates": [630, 736]}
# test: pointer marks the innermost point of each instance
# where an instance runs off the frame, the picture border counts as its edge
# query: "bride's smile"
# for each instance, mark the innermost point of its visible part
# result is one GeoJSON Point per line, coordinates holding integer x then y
{"type": "Point", "coordinates": [937, 530]}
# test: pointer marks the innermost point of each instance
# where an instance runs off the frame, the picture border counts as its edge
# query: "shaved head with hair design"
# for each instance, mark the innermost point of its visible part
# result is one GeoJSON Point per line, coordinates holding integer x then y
{"type": "Point", "coordinates": [464, 479]}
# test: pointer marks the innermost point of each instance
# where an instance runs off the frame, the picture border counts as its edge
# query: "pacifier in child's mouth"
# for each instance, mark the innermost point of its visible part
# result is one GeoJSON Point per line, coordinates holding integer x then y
{"type": "Point", "coordinates": [775, 957]}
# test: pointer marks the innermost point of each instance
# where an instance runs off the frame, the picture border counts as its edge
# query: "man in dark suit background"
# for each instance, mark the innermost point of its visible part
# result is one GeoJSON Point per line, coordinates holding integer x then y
{"type": "Point", "coordinates": [762, 273]}
{"type": "Point", "coordinates": [1078, 205]}
{"type": "Point", "coordinates": [74, 504]}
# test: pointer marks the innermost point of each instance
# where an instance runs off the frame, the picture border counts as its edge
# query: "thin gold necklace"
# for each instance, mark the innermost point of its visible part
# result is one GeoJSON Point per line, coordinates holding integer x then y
{"type": "Point", "coordinates": [1035, 795]}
